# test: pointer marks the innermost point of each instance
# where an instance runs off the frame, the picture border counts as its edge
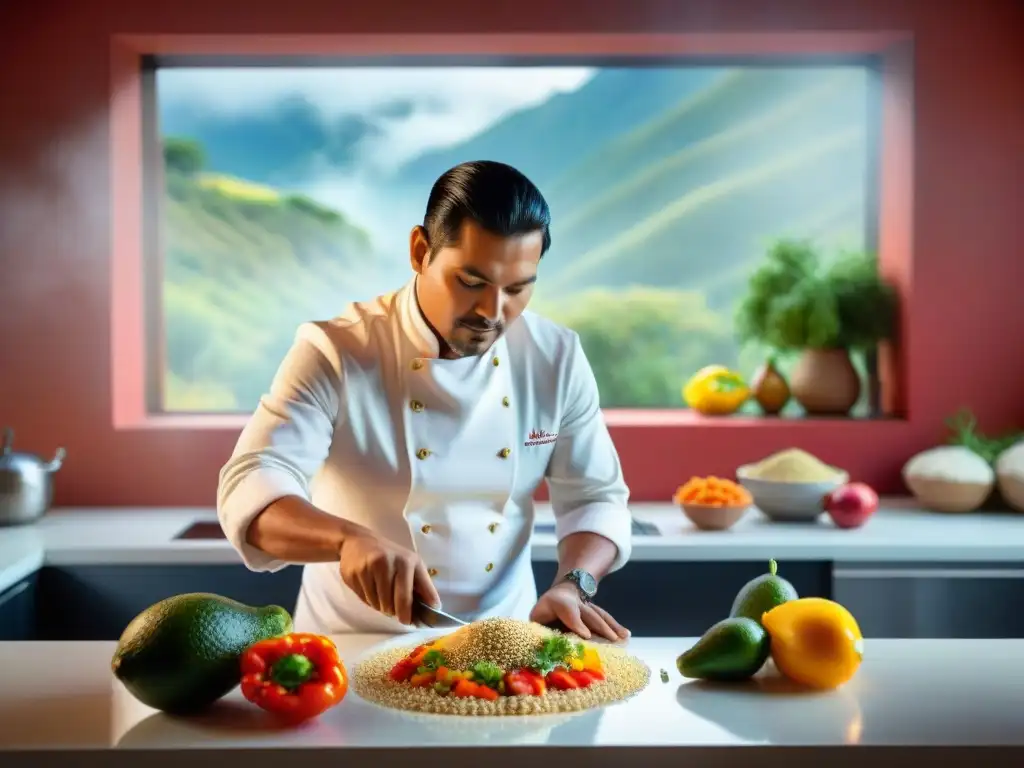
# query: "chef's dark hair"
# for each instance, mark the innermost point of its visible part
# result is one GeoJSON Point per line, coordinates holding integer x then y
{"type": "Point", "coordinates": [494, 195]}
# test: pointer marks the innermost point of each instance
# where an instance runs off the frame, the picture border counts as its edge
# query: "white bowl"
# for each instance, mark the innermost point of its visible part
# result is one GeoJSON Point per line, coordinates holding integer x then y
{"type": "Point", "coordinates": [789, 502]}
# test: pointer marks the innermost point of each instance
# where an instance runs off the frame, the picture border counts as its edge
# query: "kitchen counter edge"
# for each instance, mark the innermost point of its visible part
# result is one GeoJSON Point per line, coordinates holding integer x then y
{"type": "Point", "coordinates": [899, 532]}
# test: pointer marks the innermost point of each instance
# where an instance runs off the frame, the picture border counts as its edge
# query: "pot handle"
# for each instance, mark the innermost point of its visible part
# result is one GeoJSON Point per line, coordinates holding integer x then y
{"type": "Point", "coordinates": [58, 459]}
{"type": "Point", "coordinates": [8, 441]}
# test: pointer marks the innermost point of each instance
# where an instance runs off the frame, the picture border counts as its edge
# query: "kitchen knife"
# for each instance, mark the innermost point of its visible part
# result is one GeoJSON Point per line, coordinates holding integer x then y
{"type": "Point", "coordinates": [434, 618]}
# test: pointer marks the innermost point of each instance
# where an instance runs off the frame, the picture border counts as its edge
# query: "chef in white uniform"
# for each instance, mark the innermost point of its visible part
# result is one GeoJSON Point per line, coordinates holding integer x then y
{"type": "Point", "coordinates": [400, 445]}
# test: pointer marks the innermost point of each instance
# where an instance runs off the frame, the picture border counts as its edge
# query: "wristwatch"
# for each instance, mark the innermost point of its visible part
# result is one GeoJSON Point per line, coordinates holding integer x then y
{"type": "Point", "coordinates": [585, 583]}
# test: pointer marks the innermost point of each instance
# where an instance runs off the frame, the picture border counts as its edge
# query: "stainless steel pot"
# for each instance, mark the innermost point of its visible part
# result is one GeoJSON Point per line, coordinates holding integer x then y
{"type": "Point", "coordinates": [26, 483]}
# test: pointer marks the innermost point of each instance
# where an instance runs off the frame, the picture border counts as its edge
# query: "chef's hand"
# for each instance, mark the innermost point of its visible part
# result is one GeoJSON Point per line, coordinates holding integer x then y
{"type": "Point", "coordinates": [384, 575]}
{"type": "Point", "coordinates": [562, 602]}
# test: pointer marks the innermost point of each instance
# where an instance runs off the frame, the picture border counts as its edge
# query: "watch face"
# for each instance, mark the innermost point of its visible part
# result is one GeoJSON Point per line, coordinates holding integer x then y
{"type": "Point", "coordinates": [586, 583]}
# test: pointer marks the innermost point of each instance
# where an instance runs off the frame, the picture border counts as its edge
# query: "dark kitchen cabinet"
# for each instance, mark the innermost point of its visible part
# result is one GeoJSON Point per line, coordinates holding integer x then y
{"type": "Point", "coordinates": [652, 599]}
{"type": "Point", "coordinates": [17, 611]}
{"type": "Point", "coordinates": [96, 602]}
{"type": "Point", "coordinates": [683, 599]}
{"type": "Point", "coordinates": [934, 600]}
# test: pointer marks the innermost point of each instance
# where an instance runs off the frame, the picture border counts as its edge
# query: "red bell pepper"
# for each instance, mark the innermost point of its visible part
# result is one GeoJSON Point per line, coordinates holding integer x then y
{"type": "Point", "coordinates": [296, 677]}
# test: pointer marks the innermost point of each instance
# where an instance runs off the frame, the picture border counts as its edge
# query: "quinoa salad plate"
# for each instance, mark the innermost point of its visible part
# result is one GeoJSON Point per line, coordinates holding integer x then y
{"type": "Point", "coordinates": [500, 666]}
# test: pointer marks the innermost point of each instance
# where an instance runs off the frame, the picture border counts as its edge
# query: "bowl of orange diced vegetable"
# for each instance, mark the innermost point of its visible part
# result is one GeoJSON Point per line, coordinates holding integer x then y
{"type": "Point", "coordinates": [713, 503]}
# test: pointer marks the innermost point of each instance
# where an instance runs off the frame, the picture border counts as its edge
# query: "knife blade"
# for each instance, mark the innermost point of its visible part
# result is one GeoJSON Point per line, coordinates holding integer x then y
{"type": "Point", "coordinates": [434, 618]}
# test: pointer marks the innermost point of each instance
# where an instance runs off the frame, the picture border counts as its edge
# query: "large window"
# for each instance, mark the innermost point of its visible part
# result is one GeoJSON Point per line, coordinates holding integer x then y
{"type": "Point", "coordinates": [284, 193]}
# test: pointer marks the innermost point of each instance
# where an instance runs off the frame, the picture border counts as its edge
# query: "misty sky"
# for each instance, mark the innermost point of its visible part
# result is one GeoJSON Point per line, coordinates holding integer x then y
{"type": "Point", "coordinates": [414, 109]}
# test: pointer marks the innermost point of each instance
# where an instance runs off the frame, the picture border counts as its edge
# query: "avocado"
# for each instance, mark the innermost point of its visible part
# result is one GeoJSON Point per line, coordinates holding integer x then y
{"type": "Point", "coordinates": [733, 649]}
{"type": "Point", "coordinates": [760, 595]}
{"type": "Point", "coordinates": [183, 653]}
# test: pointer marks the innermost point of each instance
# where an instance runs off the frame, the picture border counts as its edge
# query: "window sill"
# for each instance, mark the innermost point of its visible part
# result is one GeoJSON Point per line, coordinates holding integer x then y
{"type": "Point", "coordinates": [220, 422]}
{"type": "Point", "coordinates": [618, 418]}
{"type": "Point", "coordinates": [686, 418]}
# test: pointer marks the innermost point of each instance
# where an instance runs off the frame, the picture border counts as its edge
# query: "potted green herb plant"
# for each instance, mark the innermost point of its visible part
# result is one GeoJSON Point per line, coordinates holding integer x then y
{"type": "Point", "coordinates": [795, 303]}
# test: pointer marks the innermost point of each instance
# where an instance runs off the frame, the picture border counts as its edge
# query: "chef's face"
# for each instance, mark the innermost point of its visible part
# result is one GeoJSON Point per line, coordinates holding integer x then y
{"type": "Point", "coordinates": [470, 292]}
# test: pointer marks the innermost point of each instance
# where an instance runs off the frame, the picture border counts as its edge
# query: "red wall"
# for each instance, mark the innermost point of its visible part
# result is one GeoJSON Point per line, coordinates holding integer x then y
{"type": "Point", "coordinates": [965, 345]}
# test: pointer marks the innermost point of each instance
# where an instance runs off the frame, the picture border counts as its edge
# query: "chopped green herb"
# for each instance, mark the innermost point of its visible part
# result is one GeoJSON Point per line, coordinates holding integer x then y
{"type": "Point", "coordinates": [432, 660]}
{"type": "Point", "coordinates": [664, 676]}
{"type": "Point", "coordinates": [487, 673]}
{"type": "Point", "coordinates": [554, 652]}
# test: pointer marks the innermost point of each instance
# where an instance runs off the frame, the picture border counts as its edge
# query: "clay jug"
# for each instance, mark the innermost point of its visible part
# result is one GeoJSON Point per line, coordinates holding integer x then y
{"type": "Point", "coordinates": [769, 387]}
{"type": "Point", "coordinates": [825, 382]}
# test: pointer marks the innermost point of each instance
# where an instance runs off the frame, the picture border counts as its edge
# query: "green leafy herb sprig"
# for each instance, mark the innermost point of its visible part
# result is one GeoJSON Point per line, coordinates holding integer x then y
{"type": "Point", "coordinates": [556, 651]}
{"type": "Point", "coordinates": [488, 673]}
{"type": "Point", "coordinates": [963, 427]}
{"type": "Point", "coordinates": [432, 660]}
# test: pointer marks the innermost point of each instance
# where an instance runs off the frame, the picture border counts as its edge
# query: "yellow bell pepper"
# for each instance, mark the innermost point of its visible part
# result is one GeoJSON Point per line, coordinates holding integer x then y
{"type": "Point", "coordinates": [816, 642]}
{"type": "Point", "coordinates": [591, 660]}
{"type": "Point", "coordinates": [716, 391]}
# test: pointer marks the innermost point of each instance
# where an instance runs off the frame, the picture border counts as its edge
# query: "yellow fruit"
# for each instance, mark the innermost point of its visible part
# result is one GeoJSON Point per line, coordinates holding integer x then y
{"type": "Point", "coordinates": [815, 642]}
{"type": "Point", "coordinates": [715, 391]}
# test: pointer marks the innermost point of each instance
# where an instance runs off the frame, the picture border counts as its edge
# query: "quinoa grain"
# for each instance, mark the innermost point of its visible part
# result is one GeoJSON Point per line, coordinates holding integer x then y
{"type": "Point", "coordinates": [509, 644]}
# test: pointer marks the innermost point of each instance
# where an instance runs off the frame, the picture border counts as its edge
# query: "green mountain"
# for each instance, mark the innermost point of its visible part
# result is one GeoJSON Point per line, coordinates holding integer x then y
{"type": "Point", "coordinates": [243, 266]}
{"type": "Point", "coordinates": [544, 140]}
{"type": "Point", "coordinates": [694, 195]}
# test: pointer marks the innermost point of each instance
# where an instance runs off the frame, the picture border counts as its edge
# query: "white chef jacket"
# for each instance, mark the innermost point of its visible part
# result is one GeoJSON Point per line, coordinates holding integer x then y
{"type": "Point", "coordinates": [365, 421]}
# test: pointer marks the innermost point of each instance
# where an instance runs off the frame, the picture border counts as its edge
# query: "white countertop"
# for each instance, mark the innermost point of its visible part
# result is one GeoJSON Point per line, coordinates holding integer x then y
{"type": "Point", "coordinates": [908, 693]}
{"type": "Point", "coordinates": [897, 533]}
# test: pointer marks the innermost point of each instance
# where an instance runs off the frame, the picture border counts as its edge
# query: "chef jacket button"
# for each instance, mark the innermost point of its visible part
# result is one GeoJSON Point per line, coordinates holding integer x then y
{"type": "Point", "coordinates": [494, 361]}
{"type": "Point", "coordinates": [492, 527]}
{"type": "Point", "coordinates": [432, 571]}
{"type": "Point", "coordinates": [422, 453]}
{"type": "Point", "coordinates": [417, 364]}
{"type": "Point", "coordinates": [425, 528]}
{"type": "Point", "coordinates": [416, 405]}
{"type": "Point", "coordinates": [504, 401]}
{"type": "Point", "coordinates": [505, 453]}
{"type": "Point", "coordinates": [489, 567]}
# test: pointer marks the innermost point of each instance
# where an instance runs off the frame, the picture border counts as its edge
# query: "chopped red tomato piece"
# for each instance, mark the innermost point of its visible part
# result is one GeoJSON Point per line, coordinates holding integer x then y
{"type": "Point", "coordinates": [524, 682]}
{"type": "Point", "coordinates": [467, 689]}
{"type": "Point", "coordinates": [536, 680]}
{"type": "Point", "coordinates": [517, 684]}
{"type": "Point", "coordinates": [403, 670]}
{"type": "Point", "coordinates": [485, 692]}
{"type": "Point", "coordinates": [583, 677]}
{"type": "Point", "coordinates": [561, 680]}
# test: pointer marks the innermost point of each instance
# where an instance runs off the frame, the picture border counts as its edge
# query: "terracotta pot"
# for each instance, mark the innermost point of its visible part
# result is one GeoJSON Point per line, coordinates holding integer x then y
{"type": "Point", "coordinates": [825, 382]}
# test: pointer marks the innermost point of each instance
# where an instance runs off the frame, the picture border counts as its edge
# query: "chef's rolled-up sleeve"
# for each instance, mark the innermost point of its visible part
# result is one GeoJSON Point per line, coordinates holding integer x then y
{"type": "Point", "coordinates": [588, 492]}
{"type": "Point", "coordinates": [284, 443]}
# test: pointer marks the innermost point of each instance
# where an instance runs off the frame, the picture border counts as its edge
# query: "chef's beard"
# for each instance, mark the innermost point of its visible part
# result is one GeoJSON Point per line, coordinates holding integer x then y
{"type": "Point", "coordinates": [470, 341]}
